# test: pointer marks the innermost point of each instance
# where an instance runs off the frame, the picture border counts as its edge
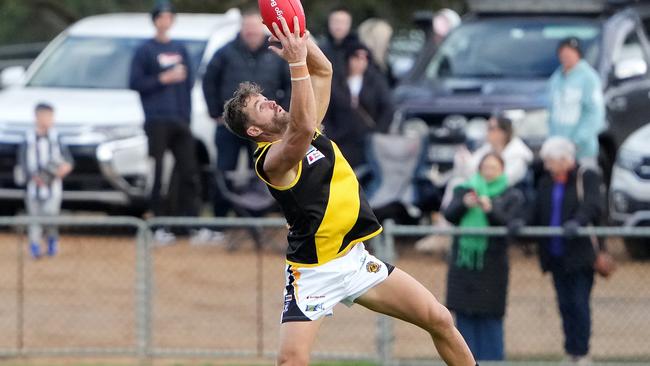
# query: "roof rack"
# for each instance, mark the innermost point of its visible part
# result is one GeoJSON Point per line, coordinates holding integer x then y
{"type": "Point", "coordinates": [546, 6]}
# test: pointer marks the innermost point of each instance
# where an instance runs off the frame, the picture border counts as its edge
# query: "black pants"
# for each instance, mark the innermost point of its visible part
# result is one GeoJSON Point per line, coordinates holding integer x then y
{"type": "Point", "coordinates": [228, 147]}
{"type": "Point", "coordinates": [573, 291]}
{"type": "Point", "coordinates": [174, 136]}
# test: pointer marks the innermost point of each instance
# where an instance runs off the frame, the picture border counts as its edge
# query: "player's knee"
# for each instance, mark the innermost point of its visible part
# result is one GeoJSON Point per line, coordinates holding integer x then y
{"type": "Point", "coordinates": [440, 320]}
{"type": "Point", "coordinates": [292, 357]}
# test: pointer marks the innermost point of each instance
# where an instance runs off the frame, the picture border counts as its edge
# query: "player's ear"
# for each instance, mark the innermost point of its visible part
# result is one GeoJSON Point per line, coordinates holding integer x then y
{"type": "Point", "coordinates": [253, 131]}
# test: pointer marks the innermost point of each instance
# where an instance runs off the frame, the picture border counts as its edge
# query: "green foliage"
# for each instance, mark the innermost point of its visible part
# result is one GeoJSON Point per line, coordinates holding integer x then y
{"type": "Point", "coordinates": [40, 20]}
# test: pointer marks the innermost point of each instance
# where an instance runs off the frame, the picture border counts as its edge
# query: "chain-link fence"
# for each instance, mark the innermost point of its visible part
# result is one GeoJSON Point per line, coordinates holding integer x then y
{"type": "Point", "coordinates": [83, 299]}
{"type": "Point", "coordinates": [533, 329]}
{"type": "Point", "coordinates": [115, 288]}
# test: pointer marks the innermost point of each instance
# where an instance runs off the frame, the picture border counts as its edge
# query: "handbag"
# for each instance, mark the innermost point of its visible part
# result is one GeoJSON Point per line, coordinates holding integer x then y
{"type": "Point", "coordinates": [604, 265]}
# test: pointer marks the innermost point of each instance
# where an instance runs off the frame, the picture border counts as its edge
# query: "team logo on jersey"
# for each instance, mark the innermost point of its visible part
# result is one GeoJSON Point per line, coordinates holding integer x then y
{"type": "Point", "coordinates": [314, 307]}
{"type": "Point", "coordinates": [313, 155]}
{"type": "Point", "coordinates": [373, 267]}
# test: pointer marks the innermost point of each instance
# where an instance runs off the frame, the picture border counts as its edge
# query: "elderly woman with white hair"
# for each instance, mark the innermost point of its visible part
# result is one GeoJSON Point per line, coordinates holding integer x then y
{"type": "Point", "coordinates": [568, 196]}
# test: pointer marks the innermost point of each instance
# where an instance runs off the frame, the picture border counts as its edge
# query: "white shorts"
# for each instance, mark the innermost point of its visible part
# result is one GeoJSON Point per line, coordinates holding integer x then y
{"type": "Point", "coordinates": [312, 292]}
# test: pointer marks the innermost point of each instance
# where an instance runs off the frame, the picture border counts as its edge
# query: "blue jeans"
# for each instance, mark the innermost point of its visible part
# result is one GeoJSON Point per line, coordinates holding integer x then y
{"type": "Point", "coordinates": [573, 291]}
{"type": "Point", "coordinates": [483, 334]}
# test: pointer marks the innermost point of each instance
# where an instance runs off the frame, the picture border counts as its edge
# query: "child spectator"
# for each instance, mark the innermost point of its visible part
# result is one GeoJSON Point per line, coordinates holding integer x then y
{"type": "Point", "coordinates": [44, 162]}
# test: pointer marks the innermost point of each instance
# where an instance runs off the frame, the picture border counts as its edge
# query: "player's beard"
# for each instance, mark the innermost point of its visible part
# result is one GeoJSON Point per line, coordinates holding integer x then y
{"type": "Point", "coordinates": [280, 122]}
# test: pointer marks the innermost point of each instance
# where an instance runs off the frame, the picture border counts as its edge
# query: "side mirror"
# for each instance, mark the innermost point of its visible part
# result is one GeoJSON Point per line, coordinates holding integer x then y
{"type": "Point", "coordinates": [630, 68]}
{"type": "Point", "coordinates": [12, 75]}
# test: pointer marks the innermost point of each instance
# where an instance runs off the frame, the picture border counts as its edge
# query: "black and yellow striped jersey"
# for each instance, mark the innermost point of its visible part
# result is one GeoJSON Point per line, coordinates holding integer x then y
{"type": "Point", "coordinates": [325, 207]}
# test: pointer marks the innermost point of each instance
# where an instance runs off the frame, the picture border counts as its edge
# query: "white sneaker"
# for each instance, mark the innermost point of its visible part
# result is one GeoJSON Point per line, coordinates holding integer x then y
{"type": "Point", "coordinates": [582, 361]}
{"type": "Point", "coordinates": [434, 244]}
{"type": "Point", "coordinates": [163, 237]}
{"type": "Point", "coordinates": [206, 236]}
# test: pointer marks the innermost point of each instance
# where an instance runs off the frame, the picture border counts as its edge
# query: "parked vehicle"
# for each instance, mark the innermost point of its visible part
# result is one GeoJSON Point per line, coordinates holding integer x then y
{"type": "Point", "coordinates": [500, 59]}
{"type": "Point", "coordinates": [630, 189]}
{"type": "Point", "coordinates": [84, 74]}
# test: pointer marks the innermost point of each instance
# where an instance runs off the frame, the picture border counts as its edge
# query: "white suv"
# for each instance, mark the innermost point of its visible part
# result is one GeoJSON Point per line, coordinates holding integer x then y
{"type": "Point", "coordinates": [84, 74]}
{"type": "Point", "coordinates": [629, 192]}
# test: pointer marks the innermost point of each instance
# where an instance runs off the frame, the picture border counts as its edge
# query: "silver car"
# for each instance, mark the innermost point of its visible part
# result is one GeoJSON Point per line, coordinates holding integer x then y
{"type": "Point", "coordinates": [629, 197]}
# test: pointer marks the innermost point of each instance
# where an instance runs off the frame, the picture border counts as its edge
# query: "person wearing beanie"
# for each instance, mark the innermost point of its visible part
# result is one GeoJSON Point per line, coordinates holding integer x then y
{"type": "Point", "coordinates": [161, 72]}
{"type": "Point", "coordinates": [577, 108]}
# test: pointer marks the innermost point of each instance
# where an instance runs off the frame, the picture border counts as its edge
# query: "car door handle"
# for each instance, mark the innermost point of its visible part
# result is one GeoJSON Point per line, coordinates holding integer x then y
{"type": "Point", "coordinates": [618, 104]}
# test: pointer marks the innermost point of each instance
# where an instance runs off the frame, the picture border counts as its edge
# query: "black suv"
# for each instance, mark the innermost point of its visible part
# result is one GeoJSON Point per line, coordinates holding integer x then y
{"type": "Point", "coordinates": [501, 58]}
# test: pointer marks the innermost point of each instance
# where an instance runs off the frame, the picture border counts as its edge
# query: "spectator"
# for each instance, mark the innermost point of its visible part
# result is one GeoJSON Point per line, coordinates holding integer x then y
{"type": "Point", "coordinates": [442, 23]}
{"type": "Point", "coordinates": [376, 35]}
{"type": "Point", "coordinates": [44, 162]}
{"type": "Point", "coordinates": [500, 139]}
{"type": "Point", "coordinates": [360, 104]}
{"type": "Point", "coordinates": [339, 37]}
{"type": "Point", "coordinates": [245, 58]}
{"type": "Point", "coordinates": [568, 196]}
{"type": "Point", "coordinates": [477, 280]}
{"type": "Point", "coordinates": [161, 72]}
{"type": "Point", "coordinates": [577, 109]}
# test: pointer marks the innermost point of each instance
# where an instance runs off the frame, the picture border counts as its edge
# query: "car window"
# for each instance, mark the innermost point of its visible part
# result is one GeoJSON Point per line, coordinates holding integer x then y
{"type": "Point", "coordinates": [510, 48]}
{"type": "Point", "coordinates": [95, 62]}
{"type": "Point", "coordinates": [630, 49]}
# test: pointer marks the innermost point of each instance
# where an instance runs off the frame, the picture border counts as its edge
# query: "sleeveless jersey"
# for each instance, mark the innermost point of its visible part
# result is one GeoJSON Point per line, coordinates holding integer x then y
{"type": "Point", "coordinates": [325, 207]}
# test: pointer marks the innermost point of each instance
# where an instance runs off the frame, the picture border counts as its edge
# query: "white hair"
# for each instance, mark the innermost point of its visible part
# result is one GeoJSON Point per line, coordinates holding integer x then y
{"type": "Point", "coordinates": [558, 148]}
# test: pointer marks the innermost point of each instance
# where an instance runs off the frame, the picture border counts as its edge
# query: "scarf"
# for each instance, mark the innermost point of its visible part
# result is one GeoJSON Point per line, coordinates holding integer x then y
{"type": "Point", "coordinates": [471, 250]}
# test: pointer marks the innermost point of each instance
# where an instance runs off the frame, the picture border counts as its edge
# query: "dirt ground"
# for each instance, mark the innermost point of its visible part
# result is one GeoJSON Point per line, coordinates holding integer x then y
{"type": "Point", "coordinates": [206, 297]}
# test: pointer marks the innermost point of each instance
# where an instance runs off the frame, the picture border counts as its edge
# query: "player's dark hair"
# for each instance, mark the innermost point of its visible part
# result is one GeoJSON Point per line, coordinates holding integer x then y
{"type": "Point", "coordinates": [234, 115]}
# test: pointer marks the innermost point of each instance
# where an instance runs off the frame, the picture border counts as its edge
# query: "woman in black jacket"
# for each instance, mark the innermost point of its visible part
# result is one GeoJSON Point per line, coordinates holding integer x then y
{"type": "Point", "coordinates": [569, 196]}
{"type": "Point", "coordinates": [360, 104]}
{"type": "Point", "coordinates": [477, 280]}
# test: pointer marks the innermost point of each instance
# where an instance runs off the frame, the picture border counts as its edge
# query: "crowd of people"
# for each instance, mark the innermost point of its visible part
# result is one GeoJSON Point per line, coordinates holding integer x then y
{"type": "Point", "coordinates": [499, 184]}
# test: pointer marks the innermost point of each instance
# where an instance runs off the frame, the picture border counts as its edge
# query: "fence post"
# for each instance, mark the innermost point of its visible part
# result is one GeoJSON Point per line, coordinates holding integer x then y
{"type": "Point", "coordinates": [385, 336]}
{"type": "Point", "coordinates": [143, 291]}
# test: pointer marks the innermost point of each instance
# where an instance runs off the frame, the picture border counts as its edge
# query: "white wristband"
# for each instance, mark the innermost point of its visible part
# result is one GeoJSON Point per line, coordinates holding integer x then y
{"type": "Point", "coordinates": [296, 64]}
{"type": "Point", "coordinates": [299, 79]}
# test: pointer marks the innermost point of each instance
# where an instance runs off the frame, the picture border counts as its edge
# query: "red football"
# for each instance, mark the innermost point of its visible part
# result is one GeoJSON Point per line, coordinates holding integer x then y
{"type": "Point", "coordinates": [273, 10]}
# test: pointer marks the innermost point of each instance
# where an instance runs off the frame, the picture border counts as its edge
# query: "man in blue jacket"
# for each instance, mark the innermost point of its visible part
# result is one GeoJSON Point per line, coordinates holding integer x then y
{"type": "Point", "coordinates": [161, 72]}
{"type": "Point", "coordinates": [577, 110]}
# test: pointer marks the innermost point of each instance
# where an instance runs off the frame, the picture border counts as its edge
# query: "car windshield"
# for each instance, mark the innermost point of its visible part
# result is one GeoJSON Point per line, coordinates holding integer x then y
{"type": "Point", "coordinates": [94, 62]}
{"type": "Point", "coordinates": [520, 48]}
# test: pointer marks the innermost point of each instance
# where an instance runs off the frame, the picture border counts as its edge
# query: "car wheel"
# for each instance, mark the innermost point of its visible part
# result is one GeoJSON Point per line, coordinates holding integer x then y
{"type": "Point", "coordinates": [638, 248]}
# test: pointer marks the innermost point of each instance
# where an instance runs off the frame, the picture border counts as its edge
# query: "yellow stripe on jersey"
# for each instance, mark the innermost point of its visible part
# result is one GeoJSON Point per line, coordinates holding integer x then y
{"type": "Point", "coordinates": [265, 146]}
{"type": "Point", "coordinates": [342, 209]}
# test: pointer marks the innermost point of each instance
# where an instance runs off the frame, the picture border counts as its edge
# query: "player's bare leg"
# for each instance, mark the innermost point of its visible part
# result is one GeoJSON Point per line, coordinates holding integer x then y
{"type": "Point", "coordinates": [402, 297]}
{"type": "Point", "coordinates": [296, 339]}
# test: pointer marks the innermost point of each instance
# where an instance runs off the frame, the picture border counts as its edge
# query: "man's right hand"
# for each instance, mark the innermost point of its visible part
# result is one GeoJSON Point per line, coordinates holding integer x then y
{"type": "Point", "coordinates": [294, 47]}
{"type": "Point", "coordinates": [176, 74]}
